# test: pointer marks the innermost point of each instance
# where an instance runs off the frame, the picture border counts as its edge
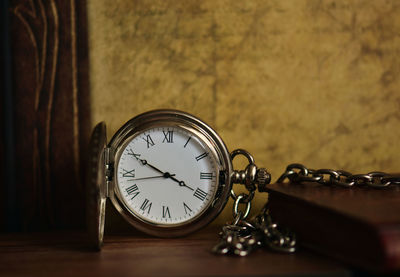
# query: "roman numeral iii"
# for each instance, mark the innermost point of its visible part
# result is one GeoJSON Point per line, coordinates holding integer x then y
{"type": "Point", "coordinates": [200, 194]}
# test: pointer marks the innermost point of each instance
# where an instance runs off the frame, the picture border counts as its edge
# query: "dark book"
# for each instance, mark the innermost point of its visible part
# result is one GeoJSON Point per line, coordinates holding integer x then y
{"type": "Point", "coordinates": [359, 226]}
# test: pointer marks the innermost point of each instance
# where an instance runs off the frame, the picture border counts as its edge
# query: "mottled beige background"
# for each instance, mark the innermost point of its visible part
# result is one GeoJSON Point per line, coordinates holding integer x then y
{"type": "Point", "coordinates": [314, 82]}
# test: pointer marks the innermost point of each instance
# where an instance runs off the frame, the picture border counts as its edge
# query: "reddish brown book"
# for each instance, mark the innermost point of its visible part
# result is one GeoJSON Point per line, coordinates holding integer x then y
{"type": "Point", "coordinates": [359, 226]}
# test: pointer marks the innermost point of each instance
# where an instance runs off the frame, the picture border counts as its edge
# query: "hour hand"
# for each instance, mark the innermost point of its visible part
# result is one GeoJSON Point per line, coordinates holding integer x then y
{"type": "Point", "coordinates": [152, 177]}
{"type": "Point", "coordinates": [144, 162]}
{"type": "Point", "coordinates": [180, 183]}
{"type": "Point", "coordinates": [165, 174]}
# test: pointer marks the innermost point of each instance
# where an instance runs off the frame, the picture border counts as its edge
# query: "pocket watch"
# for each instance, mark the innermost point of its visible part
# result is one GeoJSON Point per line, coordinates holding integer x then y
{"type": "Point", "coordinates": [165, 171]}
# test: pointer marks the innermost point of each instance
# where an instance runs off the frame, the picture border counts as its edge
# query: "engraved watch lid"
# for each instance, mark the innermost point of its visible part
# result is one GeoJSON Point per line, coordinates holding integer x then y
{"type": "Point", "coordinates": [96, 187]}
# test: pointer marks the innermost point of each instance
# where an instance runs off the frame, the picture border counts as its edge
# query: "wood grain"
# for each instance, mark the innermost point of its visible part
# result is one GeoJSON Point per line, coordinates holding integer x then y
{"type": "Point", "coordinates": [65, 254]}
{"type": "Point", "coordinates": [51, 111]}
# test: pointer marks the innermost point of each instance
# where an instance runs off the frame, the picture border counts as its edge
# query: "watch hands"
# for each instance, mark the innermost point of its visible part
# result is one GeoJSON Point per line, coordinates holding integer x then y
{"type": "Point", "coordinates": [181, 183]}
{"type": "Point", "coordinates": [165, 174]}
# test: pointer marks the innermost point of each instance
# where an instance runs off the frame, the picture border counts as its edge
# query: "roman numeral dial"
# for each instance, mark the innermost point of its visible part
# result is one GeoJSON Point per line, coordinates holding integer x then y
{"type": "Point", "coordinates": [165, 212]}
{"type": "Point", "coordinates": [128, 173]}
{"type": "Point", "coordinates": [168, 137]}
{"type": "Point", "coordinates": [206, 175]}
{"type": "Point", "coordinates": [132, 191]}
{"type": "Point", "coordinates": [200, 194]}
{"type": "Point", "coordinates": [167, 175]}
{"type": "Point", "coordinates": [149, 141]}
{"type": "Point", "coordinates": [146, 205]}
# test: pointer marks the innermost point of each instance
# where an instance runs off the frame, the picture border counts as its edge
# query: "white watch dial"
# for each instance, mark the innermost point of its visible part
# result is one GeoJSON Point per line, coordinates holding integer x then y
{"type": "Point", "coordinates": [167, 176]}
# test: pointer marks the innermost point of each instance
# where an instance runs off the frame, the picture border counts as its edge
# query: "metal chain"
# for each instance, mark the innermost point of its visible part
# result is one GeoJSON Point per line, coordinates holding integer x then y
{"type": "Point", "coordinates": [298, 173]}
{"type": "Point", "coordinates": [241, 236]}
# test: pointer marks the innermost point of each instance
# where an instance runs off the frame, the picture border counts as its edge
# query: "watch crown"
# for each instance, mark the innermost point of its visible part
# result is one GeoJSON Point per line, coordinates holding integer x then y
{"type": "Point", "coordinates": [262, 179]}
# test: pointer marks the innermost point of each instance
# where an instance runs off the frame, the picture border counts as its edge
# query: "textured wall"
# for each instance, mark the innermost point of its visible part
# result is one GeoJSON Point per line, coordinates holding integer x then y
{"type": "Point", "coordinates": [314, 82]}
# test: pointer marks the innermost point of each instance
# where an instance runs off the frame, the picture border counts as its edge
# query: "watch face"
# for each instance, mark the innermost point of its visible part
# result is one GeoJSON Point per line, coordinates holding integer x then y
{"type": "Point", "coordinates": [167, 175]}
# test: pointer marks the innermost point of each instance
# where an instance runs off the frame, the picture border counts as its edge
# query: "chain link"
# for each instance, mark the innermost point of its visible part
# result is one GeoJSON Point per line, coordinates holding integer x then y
{"type": "Point", "coordinates": [298, 173]}
{"type": "Point", "coordinates": [241, 236]}
{"type": "Point", "coordinates": [242, 199]}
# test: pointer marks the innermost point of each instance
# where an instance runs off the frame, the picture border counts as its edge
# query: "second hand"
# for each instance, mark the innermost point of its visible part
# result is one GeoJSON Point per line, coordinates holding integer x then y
{"type": "Point", "coordinates": [165, 174]}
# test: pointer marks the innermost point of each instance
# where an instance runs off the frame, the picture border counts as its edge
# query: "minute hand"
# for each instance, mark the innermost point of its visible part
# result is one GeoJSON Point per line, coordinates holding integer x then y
{"type": "Point", "coordinates": [166, 174]}
{"type": "Point", "coordinates": [152, 177]}
{"type": "Point", "coordinates": [144, 162]}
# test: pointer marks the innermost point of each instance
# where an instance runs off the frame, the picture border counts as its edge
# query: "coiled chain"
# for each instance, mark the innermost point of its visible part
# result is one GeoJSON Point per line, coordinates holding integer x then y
{"type": "Point", "coordinates": [242, 236]}
{"type": "Point", "coordinates": [298, 173]}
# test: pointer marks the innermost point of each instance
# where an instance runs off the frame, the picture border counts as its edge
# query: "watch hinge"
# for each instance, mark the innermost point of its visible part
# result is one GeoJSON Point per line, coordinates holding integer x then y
{"type": "Point", "coordinates": [109, 167]}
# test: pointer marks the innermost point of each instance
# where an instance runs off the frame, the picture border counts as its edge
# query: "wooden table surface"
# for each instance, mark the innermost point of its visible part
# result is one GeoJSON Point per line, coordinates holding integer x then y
{"type": "Point", "coordinates": [65, 254]}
